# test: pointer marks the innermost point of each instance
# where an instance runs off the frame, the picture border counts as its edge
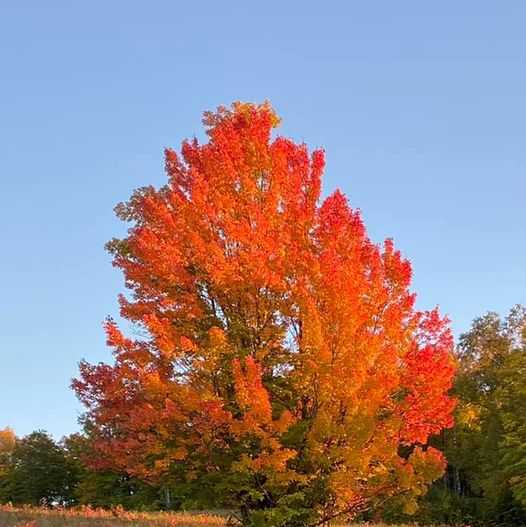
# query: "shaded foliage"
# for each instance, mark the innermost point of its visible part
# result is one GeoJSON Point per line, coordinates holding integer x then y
{"type": "Point", "coordinates": [37, 472]}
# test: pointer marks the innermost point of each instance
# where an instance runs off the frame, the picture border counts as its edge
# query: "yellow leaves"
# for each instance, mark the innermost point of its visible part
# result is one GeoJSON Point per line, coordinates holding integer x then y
{"type": "Point", "coordinates": [224, 115]}
{"type": "Point", "coordinates": [410, 506]}
{"type": "Point", "coordinates": [271, 461]}
{"type": "Point", "coordinates": [468, 415]}
{"type": "Point", "coordinates": [214, 350]}
{"type": "Point", "coordinates": [427, 466]}
{"type": "Point", "coordinates": [7, 445]}
{"type": "Point", "coordinates": [331, 434]}
{"type": "Point", "coordinates": [7, 440]}
{"type": "Point", "coordinates": [345, 486]}
{"type": "Point", "coordinates": [246, 109]}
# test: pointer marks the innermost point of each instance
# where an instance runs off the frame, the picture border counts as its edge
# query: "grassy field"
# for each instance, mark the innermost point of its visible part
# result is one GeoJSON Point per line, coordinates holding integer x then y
{"type": "Point", "coordinates": [87, 517]}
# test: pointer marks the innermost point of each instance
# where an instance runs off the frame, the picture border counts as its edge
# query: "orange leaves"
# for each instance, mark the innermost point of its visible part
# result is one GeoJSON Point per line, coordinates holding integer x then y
{"type": "Point", "coordinates": [7, 445]}
{"type": "Point", "coordinates": [254, 402]}
{"type": "Point", "coordinates": [276, 337]}
{"type": "Point", "coordinates": [7, 440]}
{"type": "Point", "coordinates": [186, 344]}
{"type": "Point", "coordinates": [251, 395]}
{"type": "Point", "coordinates": [114, 337]}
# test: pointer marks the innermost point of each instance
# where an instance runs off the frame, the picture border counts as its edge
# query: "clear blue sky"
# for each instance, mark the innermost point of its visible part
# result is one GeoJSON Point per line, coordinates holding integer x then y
{"type": "Point", "coordinates": [421, 107]}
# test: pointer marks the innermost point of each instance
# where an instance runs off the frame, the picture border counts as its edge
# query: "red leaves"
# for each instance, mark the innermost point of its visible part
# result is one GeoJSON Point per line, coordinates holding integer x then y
{"type": "Point", "coordinates": [261, 308]}
{"type": "Point", "coordinates": [427, 376]}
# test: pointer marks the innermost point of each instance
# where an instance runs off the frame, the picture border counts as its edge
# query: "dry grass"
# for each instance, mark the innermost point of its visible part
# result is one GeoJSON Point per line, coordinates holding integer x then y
{"type": "Point", "coordinates": [87, 517]}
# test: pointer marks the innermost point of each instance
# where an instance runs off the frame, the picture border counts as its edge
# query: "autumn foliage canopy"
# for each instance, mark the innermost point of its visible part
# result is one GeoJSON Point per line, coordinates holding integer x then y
{"type": "Point", "coordinates": [280, 366]}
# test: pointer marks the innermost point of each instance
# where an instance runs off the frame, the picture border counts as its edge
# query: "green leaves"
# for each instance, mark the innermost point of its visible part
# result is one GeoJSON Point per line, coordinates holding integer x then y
{"type": "Point", "coordinates": [511, 395]}
{"type": "Point", "coordinates": [38, 472]}
{"type": "Point", "coordinates": [486, 451]}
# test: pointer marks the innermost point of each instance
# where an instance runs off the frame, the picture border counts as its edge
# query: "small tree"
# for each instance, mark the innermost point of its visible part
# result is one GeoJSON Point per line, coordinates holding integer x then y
{"type": "Point", "coordinates": [283, 364]}
{"type": "Point", "coordinates": [7, 445]}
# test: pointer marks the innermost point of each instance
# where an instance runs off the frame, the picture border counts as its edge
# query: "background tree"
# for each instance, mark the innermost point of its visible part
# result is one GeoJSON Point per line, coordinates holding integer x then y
{"type": "Point", "coordinates": [485, 450]}
{"type": "Point", "coordinates": [38, 472]}
{"type": "Point", "coordinates": [283, 366]}
{"type": "Point", "coordinates": [511, 394]}
{"type": "Point", "coordinates": [7, 445]}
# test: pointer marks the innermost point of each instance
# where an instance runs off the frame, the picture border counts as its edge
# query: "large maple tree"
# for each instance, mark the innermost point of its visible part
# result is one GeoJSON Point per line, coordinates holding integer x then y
{"type": "Point", "coordinates": [281, 366]}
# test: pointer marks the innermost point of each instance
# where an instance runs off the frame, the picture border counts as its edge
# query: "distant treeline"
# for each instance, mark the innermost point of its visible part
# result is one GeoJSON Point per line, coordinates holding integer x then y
{"type": "Point", "coordinates": [485, 482]}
